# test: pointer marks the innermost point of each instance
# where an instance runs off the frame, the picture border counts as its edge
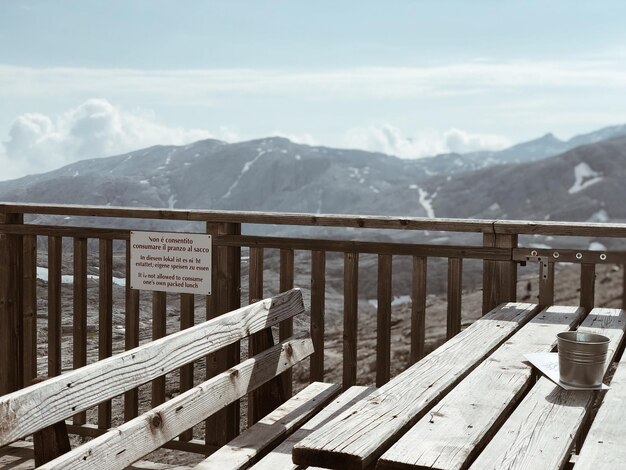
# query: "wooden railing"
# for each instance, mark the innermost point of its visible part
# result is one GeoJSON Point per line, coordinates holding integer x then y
{"type": "Point", "coordinates": [21, 241]}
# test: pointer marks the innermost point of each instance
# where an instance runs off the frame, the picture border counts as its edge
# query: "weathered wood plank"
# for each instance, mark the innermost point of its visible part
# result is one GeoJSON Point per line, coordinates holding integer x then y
{"type": "Point", "coordinates": [29, 268]}
{"type": "Point", "coordinates": [159, 325]}
{"type": "Point", "coordinates": [383, 323]}
{"type": "Point", "coordinates": [546, 283]}
{"type": "Point", "coordinates": [604, 446]}
{"type": "Point", "coordinates": [225, 297]}
{"type": "Point", "coordinates": [418, 308]}
{"type": "Point", "coordinates": [285, 329]}
{"type": "Point", "coordinates": [196, 446]}
{"type": "Point", "coordinates": [350, 318]}
{"type": "Point", "coordinates": [329, 220]}
{"type": "Point", "coordinates": [131, 338]}
{"type": "Point", "coordinates": [11, 300]}
{"type": "Point", "coordinates": [269, 396]}
{"type": "Point", "coordinates": [186, 372]}
{"type": "Point", "coordinates": [140, 436]}
{"type": "Point", "coordinates": [458, 427]}
{"type": "Point", "coordinates": [587, 285]}
{"type": "Point", "coordinates": [365, 221]}
{"type": "Point", "coordinates": [60, 397]}
{"type": "Point", "coordinates": [368, 429]}
{"type": "Point", "coordinates": [105, 320]}
{"type": "Point", "coordinates": [257, 440]}
{"type": "Point", "coordinates": [318, 306]}
{"type": "Point", "coordinates": [455, 287]}
{"type": "Point", "coordinates": [280, 458]}
{"type": "Point", "coordinates": [490, 287]}
{"type": "Point", "coordinates": [542, 430]}
{"type": "Point", "coordinates": [55, 256]}
{"type": "Point", "coordinates": [79, 326]}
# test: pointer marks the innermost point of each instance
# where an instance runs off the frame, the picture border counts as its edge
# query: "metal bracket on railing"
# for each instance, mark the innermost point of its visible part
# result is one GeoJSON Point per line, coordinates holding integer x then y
{"type": "Point", "coordinates": [536, 255]}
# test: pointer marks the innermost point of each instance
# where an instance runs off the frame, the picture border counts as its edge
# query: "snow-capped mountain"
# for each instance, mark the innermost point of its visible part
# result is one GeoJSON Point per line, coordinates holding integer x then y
{"type": "Point", "coordinates": [275, 174]}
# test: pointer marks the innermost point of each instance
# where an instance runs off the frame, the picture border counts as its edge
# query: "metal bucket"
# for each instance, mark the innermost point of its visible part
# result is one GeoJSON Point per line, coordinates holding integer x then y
{"type": "Point", "coordinates": [582, 357]}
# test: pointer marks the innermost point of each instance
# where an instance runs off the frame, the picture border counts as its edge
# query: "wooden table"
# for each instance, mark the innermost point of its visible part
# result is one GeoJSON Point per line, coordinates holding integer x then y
{"type": "Point", "coordinates": [475, 403]}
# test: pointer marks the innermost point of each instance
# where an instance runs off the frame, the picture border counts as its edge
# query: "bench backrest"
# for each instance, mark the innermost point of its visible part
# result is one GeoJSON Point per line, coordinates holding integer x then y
{"type": "Point", "coordinates": [28, 410]}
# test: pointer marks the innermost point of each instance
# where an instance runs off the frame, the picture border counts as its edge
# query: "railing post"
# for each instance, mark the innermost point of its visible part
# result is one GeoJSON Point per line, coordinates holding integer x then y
{"type": "Point", "coordinates": [11, 306]}
{"type": "Point", "coordinates": [499, 277]}
{"type": "Point", "coordinates": [225, 296]}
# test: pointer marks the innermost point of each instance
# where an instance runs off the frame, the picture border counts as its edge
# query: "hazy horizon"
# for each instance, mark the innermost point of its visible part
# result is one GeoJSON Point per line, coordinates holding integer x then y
{"type": "Point", "coordinates": [412, 79]}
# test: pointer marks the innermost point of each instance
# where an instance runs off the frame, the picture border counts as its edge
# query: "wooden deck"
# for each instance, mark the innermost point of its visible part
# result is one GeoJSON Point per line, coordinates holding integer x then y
{"type": "Point", "coordinates": [462, 363]}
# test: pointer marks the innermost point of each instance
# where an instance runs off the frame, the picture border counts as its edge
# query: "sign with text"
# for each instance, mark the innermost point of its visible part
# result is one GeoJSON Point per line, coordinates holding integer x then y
{"type": "Point", "coordinates": [171, 262]}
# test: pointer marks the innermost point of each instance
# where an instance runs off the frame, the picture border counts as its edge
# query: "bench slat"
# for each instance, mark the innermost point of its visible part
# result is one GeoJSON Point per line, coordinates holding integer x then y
{"type": "Point", "coordinates": [254, 442]}
{"type": "Point", "coordinates": [129, 442]}
{"type": "Point", "coordinates": [454, 430]}
{"type": "Point", "coordinates": [368, 428]}
{"type": "Point", "coordinates": [604, 447]}
{"type": "Point", "coordinates": [25, 411]}
{"type": "Point", "coordinates": [280, 458]}
{"type": "Point", "coordinates": [542, 430]}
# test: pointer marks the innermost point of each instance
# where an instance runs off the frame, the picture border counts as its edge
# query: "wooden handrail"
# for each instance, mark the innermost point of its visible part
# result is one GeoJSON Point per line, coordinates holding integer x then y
{"type": "Point", "coordinates": [521, 227]}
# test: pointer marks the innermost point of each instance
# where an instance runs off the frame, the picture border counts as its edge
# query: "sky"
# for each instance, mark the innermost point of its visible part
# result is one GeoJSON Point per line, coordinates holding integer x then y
{"type": "Point", "coordinates": [85, 79]}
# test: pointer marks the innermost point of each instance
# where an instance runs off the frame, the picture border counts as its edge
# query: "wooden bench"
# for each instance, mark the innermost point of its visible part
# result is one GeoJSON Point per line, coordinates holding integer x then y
{"type": "Point", "coordinates": [45, 404]}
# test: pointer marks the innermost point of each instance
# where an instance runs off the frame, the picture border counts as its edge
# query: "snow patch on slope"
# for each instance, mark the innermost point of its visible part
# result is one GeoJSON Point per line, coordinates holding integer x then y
{"type": "Point", "coordinates": [244, 170]}
{"type": "Point", "coordinates": [427, 202]}
{"type": "Point", "coordinates": [584, 177]}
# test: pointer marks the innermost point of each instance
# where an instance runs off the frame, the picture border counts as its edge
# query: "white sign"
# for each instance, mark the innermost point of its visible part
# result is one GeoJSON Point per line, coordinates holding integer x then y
{"type": "Point", "coordinates": [170, 262]}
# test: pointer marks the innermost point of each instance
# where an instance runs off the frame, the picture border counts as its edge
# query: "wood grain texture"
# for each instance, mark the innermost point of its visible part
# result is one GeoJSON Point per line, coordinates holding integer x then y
{"type": "Point", "coordinates": [285, 329]}
{"type": "Point", "coordinates": [459, 426]}
{"type": "Point", "coordinates": [131, 337]}
{"type": "Point", "coordinates": [318, 307]}
{"type": "Point", "coordinates": [418, 308]}
{"type": "Point", "coordinates": [587, 285]}
{"type": "Point", "coordinates": [354, 246]}
{"type": "Point", "coordinates": [383, 320]}
{"type": "Point", "coordinates": [105, 320]}
{"type": "Point", "coordinates": [541, 432]}
{"type": "Point", "coordinates": [329, 220]}
{"type": "Point", "coordinates": [279, 218]}
{"type": "Point", "coordinates": [256, 441]}
{"type": "Point", "coordinates": [131, 441]}
{"type": "Point", "coordinates": [269, 396]}
{"type": "Point", "coordinates": [79, 326]}
{"type": "Point", "coordinates": [604, 447]}
{"type": "Point", "coordinates": [159, 324]}
{"type": "Point", "coordinates": [55, 257]}
{"type": "Point", "coordinates": [367, 430]}
{"type": "Point", "coordinates": [280, 458]}
{"type": "Point", "coordinates": [29, 270]}
{"type": "Point", "coordinates": [350, 318]}
{"type": "Point", "coordinates": [225, 297]}
{"type": "Point", "coordinates": [455, 290]}
{"type": "Point", "coordinates": [546, 283]}
{"type": "Point", "coordinates": [186, 371]}
{"type": "Point", "coordinates": [58, 398]}
{"type": "Point", "coordinates": [490, 293]}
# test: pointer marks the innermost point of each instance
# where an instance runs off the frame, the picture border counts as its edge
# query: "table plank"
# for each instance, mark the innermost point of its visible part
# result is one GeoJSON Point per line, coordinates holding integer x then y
{"type": "Point", "coordinates": [604, 447]}
{"type": "Point", "coordinates": [451, 434]}
{"type": "Point", "coordinates": [280, 458]}
{"type": "Point", "coordinates": [543, 428]}
{"type": "Point", "coordinates": [368, 429]}
{"type": "Point", "coordinates": [251, 444]}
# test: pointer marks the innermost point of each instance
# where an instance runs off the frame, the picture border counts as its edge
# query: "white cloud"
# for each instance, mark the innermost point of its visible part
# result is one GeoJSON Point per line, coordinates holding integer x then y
{"type": "Point", "coordinates": [424, 143]}
{"type": "Point", "coordinates": [95, 128]}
